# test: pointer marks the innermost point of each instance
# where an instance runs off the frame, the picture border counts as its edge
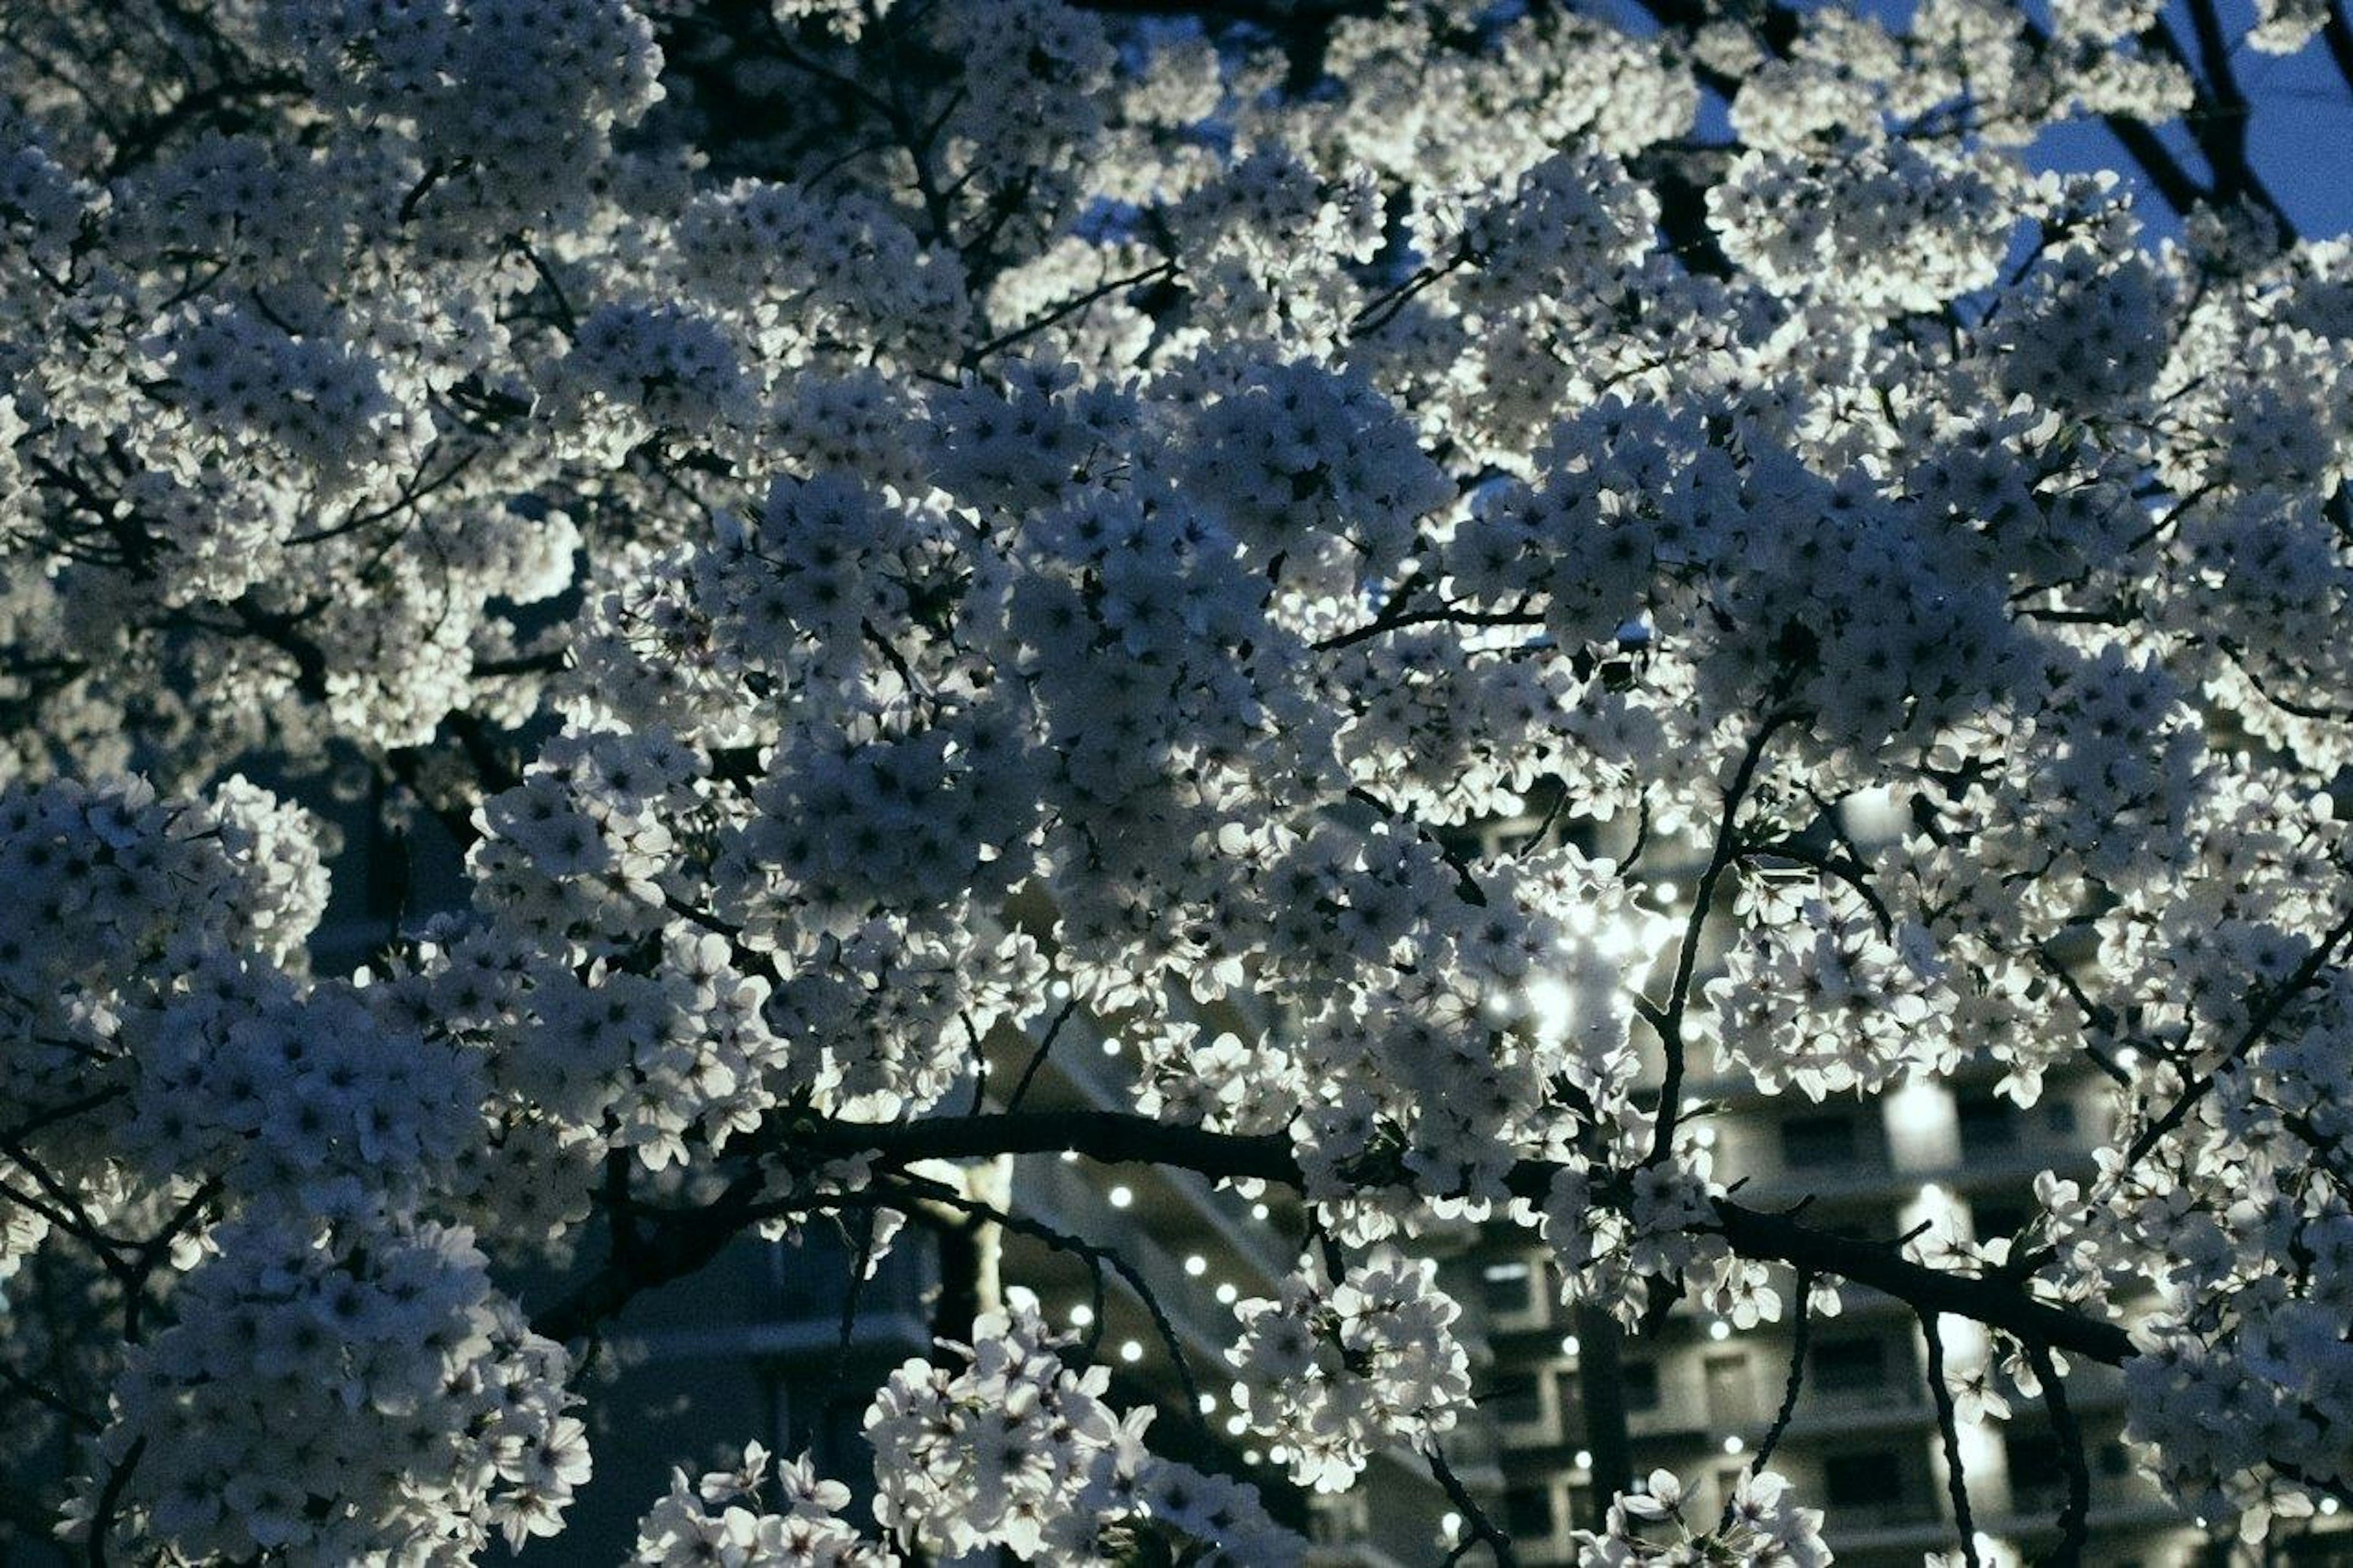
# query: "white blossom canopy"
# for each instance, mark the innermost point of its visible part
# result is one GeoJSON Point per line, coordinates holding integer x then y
{"type": "Point", "coordinates": [876, 526]}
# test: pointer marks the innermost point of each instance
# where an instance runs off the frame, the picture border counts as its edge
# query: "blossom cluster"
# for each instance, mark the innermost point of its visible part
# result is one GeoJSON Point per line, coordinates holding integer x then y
{"type": "Point", "coordinates": [1331, 1373]}
{"type": "Point", "coordinates": [331, 1391]}
{"type": "Point", "coordinates": [1828, 1003]}
{"type": "Point", "coordinates": [839, 528]}
{"type": "Point", "coordinates": [1762, 1526]}
{"type": "Point", "coordinates": [806, 1528]}
{"type": "Point", "coordinates": [1013, 1448]}
{"type": "Point", "coordinates": [118, 890]}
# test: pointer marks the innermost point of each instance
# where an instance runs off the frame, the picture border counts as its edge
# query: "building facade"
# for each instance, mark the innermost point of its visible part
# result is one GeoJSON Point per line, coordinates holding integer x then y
{"type": "Point", "coordinates": [1862, 1442]}
{"type": "Point", "coordinates": [758, 1346]}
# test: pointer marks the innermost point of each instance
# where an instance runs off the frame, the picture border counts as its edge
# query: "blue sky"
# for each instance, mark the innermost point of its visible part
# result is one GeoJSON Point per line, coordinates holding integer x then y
{"type": "Point", "coordinates": [2301, 141]}
{"type": "Point", "coordinates": [2301, 138]}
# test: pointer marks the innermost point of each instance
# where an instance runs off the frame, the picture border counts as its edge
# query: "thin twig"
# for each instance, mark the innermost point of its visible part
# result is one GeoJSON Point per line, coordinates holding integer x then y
{"type": "Point", "coordinates": [1383, 308]}
{"type": "Point", "coordinates": [1038, 1056]}
{"type": "Point", "coordinates": [1956, 1485]}
{"type": "Point", "coordinates": [42, 1395]}
{"type": "Point", "coordinates": [1481, 1528]}
{"type": "Point", "coordinates": [1062, 1241]}
{"type": "Point", "coordinates": [1466, 879]}
{"type": "Point", "coordinates": [1036, 324]}
{"type": "Point", "coordinates": [1670, 1033]}
{"type": "Point", "coordinates": [1801, 1331]}
{"type": "Point", "coordinates": [1839, 867]}
{"type": "Point", "coordinates": [2075, 1518]}
{"type": "Point", "coordinates": [2264, 1016]}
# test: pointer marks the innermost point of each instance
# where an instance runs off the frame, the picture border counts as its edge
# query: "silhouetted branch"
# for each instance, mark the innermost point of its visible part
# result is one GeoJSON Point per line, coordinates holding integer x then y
{"type": "Point", "coordinates": [1956, 1484]}
{"type": "Point", "coordinates": [2074, 1518]}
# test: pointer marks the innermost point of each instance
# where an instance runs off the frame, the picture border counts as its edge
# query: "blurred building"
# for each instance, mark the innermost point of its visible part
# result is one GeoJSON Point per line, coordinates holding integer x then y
{"type": "Point", "coordinates": [759, 1346]}
{"type": "Point", "coordinates": [1199, 1249]}
{"type": "Point", "coordinates": [1863, 1443]}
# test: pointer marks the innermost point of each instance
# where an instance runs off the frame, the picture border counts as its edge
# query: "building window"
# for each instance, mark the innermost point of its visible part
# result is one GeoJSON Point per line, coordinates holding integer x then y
{"type": "Point", "coordinates": [1640, 1381]}
{"type": "Point", "coordinates": [1996, 1217]}
{"type": "Point", "coordinates": [1731, 1392]}
{"type": "Point", "coordinates": [1989, 1123]}
{"type": "Point", "coordinates": [841, 1437]}
{"type": "Point", "coordinates": [1876, 1223]}
{"type": "Point", "coordinates": [1572, 1412]}
{"type": "Point", "coordinates": [2038, 1470]}
{"type": "Point", "coordinates": [1519, 1403]}
{"type": "Point", "coordinates": [1509, 1289]}
{"type": "Point", "coordinates": [1340, 1521]}
{"type": "Point", "coordinates": [1867, 1479]}
{"type": "Point", "coordinates": [1812, 1143]}
{"type": "Point", "coordinates": [1529, 1512]}
{"type": "Point", "coordinates": [1850, 1366]}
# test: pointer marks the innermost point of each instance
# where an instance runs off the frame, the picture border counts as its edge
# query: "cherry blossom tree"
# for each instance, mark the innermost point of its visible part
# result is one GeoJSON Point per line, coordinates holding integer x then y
{"type": "Point", "coordinates": [875, 525]}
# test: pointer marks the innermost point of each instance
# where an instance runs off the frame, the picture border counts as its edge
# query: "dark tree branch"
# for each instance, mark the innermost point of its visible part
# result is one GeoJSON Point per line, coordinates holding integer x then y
{"type": "Point", "coordinates": [1115, 1137]}
{"type": "Point", "coordinates": [1038, 1056]}
{"type": "Point", "coordinates": [110, 1500]}
{"type": "Point", "coordinates": [283, 632]}
{"type": "Point", "coordinates": [40, 1120]}
{"type": "Point", "coordinates": [676, 1244]}
{"type": "Point", "coordinates": [1061, 1241]}
{"type": "Point", "coordinates": [415, 489]}
{"type": "Point", "coordinates": [156, 1250]}
{"type": "Point", "coordinates": [219, 102]}
{"type": "Point", "coordinates": [1839, 868]}
{"type": "Point", "coordinates": [2220, 121]}
{"type": "Point", "coordinates": [1671, 1025]}
{"type": "Point", "coordinates": [679, 1242]}
{"type": "Point", "coordinates": [2075, 1518]}
{"type": "Point", "coordinates": [41, 1393]}
{"type": "Point", "coordinates": [2264, 1017]}
{"type": "Point", "coordinates": [1480, 1527]}
{"type": "Point", "coordinates": [1439, 615]}
{"type": "Point", "coordinates": [1038, 323]}
{"type": "Point", "coordinates": [2093, 1014]}
{"type": "Point", "coordinates": [565, 316]}
{"type": "Point", "coordinates": [1800, 1334]}
{"type": "Point", "coordinates": [1382, 308]}
{"type": "Point", "coordinates": [1301, 29]}
{"type": "Point", "coordinates": [1466, 880]}
{"type": "Point", "coordinates": [1775, 27]}
{"type": "Point", "coordinates": [1956, 1484]}
{"type": "Point", "coordinates": [2166, 175]}
{"type": "Point", "coordinates": [61, 1206]}
{"type": "Point", "coordinates": [2336, 32]}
